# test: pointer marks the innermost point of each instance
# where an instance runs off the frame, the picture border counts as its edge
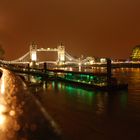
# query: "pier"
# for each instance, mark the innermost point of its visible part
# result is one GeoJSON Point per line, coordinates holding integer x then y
{"type": "Point", "coordinates": [92, 80]}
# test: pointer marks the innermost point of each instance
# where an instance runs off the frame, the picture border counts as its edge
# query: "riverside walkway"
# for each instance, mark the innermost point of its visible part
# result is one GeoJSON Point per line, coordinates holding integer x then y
{"type": "Point", "coordinates": [22, 117]}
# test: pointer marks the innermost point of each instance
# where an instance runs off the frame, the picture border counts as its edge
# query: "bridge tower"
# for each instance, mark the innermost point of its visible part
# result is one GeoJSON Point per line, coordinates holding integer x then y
{"type": "Point", "coordinates": [33, 55]}
{"type": "Point", "coordinates": [61, 54]}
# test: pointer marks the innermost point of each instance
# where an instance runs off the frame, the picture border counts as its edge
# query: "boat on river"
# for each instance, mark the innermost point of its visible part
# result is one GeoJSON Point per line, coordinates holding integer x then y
{"type": "Point", "coordinates": [92, 80]}
{"type": "Point", "coordinates": [99, 84]}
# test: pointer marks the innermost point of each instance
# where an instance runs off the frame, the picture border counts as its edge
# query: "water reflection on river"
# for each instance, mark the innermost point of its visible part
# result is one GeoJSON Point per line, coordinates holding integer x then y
{"type": "Point", "coordinates": [84, 114]}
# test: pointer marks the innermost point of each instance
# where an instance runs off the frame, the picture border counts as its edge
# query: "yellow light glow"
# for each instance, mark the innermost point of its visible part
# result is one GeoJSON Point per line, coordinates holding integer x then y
{"type": "Point", "coordinates": [62, 57]}
{"type": "Point", "coordinates": [12, 113]}
{"type": "Point", "coordinates": [2, 116]}
{"type": "Point", "coordinates": [91, 62]}
{"type": "Point", "coordinates": [2, 108]}
{"type": "Point", "coordinates": [136, 53]}
{"type": "Point", "coordinates": [79, 64]}
{"type": "Point", "coordinates": [2, 119]}
{"type": "Point", "coordinates": [103, 60]}
{"type": "Point", "coordinates": [2, 88]}
{"type": "Point", "coordinates": [71, 69]}
{"type": "Point", "coordinates": [34, 58]}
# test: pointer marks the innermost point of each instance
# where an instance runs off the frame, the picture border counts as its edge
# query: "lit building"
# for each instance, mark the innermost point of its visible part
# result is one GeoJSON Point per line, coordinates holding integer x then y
{"type": "Point", "coordinates": [103, 60]}
{"type": "Point", "coordinates": [135, 56]}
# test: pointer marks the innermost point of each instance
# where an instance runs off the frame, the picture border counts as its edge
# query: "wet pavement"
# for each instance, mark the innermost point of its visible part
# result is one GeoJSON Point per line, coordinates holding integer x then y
{"type": "Point", "coordinates": [22, 117]}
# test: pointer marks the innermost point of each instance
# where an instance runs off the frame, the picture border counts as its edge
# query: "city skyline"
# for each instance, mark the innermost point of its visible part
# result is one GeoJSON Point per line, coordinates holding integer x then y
{"type": "Point", "coordinates": [91, 28]}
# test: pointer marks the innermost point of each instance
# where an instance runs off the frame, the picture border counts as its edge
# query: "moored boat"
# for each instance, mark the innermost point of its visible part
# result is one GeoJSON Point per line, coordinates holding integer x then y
{"type": "Point", "coordinates": [104, 86]}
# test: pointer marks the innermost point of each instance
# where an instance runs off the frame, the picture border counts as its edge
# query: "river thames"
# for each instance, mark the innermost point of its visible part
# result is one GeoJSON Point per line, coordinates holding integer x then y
{"type": "Point", "coordinates": [87, 114]}
{"type": "Point", "coordinates": [56, 110]}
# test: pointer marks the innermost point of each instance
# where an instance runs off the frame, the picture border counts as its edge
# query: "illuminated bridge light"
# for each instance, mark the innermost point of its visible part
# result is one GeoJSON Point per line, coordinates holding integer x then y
{"type": "Point", "coordinates": [91, 62]}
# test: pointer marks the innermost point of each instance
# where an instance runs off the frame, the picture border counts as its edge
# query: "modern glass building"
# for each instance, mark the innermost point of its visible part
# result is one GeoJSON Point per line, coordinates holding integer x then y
{"type": "Point", "coordinates": [135, 56]}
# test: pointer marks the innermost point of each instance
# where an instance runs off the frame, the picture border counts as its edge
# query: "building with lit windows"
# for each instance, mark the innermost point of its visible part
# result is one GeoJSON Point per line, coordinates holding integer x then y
{"type": "Point", "coordinates": [135, 56]}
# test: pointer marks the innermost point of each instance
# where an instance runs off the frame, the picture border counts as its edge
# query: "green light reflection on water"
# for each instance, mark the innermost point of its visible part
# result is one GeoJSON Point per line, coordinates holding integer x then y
{"type": "Point", "coordinates": [75, 93]}
{"type": "Point", "coordinates": [80, 94]}
{"type": "Point", "coordinates": [99, 102]}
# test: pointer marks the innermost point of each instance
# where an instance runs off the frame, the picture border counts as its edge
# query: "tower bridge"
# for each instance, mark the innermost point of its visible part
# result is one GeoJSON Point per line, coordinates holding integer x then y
{"type": "Point", "coordinates": [63, 57]}
{"type": "Point", "coordinates": [31, 57]}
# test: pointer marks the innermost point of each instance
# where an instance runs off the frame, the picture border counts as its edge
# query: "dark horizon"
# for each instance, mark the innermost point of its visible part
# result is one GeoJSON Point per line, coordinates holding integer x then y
{"type": "Point", "coordinates": [91, 28]}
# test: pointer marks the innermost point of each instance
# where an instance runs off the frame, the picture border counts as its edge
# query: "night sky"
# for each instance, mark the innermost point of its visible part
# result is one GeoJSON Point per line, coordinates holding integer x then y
{"type": "Point", "coordinates": [101, 28]}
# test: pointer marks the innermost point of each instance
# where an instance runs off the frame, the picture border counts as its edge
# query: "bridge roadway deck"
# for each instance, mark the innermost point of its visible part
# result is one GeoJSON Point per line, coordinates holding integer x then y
{"type": "Point", "coordinates": [21, 115]}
